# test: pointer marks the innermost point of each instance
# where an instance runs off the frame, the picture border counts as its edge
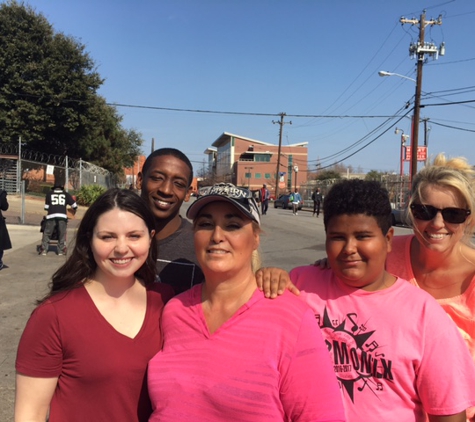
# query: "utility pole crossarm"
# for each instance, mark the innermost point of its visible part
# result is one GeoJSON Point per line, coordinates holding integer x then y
{"type": "Point", "coordinates": [415, 21]}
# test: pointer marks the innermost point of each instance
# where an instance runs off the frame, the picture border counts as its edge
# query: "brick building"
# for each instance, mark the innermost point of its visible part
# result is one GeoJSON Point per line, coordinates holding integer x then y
{"type": "Point", "coordinates": [251, 163]}
{"type": "Point", "coordinates": [131, 172]}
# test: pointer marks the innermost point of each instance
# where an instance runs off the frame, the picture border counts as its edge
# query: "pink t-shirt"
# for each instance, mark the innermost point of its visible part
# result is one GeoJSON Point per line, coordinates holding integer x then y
{"type": "Point", "coordinates": [395, 352]}
{"type": "Point", "coordinates": [460, 308]}
{"type": "Point", "coordinates": [102, 373]}
{"type": "Point", "coordinates": [268, 362]}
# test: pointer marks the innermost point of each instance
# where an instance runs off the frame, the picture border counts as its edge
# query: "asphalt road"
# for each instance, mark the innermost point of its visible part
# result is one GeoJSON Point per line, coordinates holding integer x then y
{"type": "Point", "coordinates": [287, 241]}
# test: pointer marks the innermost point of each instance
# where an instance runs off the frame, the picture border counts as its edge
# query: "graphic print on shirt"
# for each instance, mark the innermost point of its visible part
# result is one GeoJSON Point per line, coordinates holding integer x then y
{"type": "Point", "coordinates": [358, 360]}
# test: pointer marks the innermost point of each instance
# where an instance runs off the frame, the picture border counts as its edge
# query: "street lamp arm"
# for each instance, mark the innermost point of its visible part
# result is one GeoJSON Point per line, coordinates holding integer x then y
{"type": "Point", "coordinates": [383, 73]}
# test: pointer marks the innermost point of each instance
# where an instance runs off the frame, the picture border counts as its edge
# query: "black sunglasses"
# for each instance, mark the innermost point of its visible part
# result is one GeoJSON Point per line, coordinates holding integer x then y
{"type": "Point", "coordinates": [450, 215]}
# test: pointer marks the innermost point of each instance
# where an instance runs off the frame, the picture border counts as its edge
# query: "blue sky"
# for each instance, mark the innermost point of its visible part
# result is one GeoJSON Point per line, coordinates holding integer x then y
{"type": "Point", "coordinates": [301, 57]}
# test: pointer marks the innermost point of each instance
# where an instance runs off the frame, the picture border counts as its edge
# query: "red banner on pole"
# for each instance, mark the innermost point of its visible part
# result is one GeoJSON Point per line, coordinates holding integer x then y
{"type": "Point", "coordinates": [421, 154]}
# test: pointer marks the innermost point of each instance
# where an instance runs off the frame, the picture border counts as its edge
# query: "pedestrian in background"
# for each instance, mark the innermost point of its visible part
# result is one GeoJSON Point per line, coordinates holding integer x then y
{"type": "Point", "coordinates": [295, 199]}
{"type": "Point", "coordinates": [265, 196]}
{"type": "Point", "coordinates": [56, 202]}
{"type": "Point", "coordinates": [5, 242]}
{"type": "Point", "coordinates": [317, 201]}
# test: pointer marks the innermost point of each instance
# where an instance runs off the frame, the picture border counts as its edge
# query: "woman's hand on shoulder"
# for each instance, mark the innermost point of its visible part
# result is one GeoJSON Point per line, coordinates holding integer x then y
{"type": "Point", "coordinates": [274, 281]}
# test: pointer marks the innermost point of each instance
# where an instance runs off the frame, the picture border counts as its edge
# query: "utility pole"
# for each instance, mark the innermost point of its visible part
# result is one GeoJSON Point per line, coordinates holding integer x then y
{"type": "Point", "coordinates": [404, 138]}
{"type": "Point", "coordinates": [19, 173]}
{"type": "Point", "coordinates": [426, 138]}
{"type": "Point", "coordinates": [418, 50]}
{"type": "Point", "coordinates": [277, 173]}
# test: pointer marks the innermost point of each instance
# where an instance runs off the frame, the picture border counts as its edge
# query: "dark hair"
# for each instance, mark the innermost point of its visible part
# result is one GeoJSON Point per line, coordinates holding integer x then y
{"type": "Point", "coordinates": [163, 152]}
{"type": "Point", "coordinates": [81, 264]}
{"type": "Point", "coordinates": [358, 197]}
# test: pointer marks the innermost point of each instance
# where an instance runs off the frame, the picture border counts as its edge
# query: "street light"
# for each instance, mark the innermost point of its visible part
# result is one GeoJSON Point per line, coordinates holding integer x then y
{"type": "Point", "coordinates": [296, 169]}
{"type": "Point", "coordinates": [416, 114]}
{"type": "Point", "coordinates": [404, 138]}
{"type": "Point", "coordinates": [383, 73]}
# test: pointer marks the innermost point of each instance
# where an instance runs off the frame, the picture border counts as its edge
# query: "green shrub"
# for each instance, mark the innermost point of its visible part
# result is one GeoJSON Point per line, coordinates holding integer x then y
{"type": "Point", "coordinates": [89, 193]}
{"type": "Point", "coordinates": [37, 187]}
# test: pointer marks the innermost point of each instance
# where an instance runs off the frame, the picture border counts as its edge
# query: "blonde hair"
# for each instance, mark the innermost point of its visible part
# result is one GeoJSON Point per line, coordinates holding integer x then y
{"type": "Point", "coordinates": [454, 173]}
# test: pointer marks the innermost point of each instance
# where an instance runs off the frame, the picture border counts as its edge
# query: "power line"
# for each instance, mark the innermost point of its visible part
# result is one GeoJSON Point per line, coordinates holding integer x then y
{"type": "Point", "coordinates": [237, 113]}
{"type": "Point", "coordinates": [252, 114]}
{"type": "Point", "coordinates": [452, 127]}
{"type": "Point", "coordinates": [450, 103]}
{"type": "Point", "coordinates": [452, 62]}
{"type": "Point", "coordinates": [361, 140]}
{"type": "Point", "coordinates": [453, 91]}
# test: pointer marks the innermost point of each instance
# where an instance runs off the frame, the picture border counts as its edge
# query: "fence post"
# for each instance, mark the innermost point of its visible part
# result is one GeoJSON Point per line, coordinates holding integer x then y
{"type": "Point", "coordinates": [22, 193]}
{"type": "Point", "coordinates": [66, 187]}
{"type": "Point", "coordinates": [18, 185]}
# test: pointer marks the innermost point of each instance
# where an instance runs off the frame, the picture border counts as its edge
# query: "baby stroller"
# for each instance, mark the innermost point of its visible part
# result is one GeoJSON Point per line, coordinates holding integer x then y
{"type": "Point", "coordinates": [54, 236]}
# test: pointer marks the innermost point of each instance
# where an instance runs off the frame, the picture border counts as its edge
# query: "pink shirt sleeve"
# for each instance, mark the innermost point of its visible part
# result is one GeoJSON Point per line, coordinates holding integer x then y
{"type": "Point", "coordinates": [304, 399]}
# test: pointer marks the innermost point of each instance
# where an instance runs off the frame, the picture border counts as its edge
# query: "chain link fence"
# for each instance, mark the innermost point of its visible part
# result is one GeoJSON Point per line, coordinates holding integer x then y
{"type": "Point", "coordinates": [40, 171]}
{"type": "Point", "coordinates": [398, 188]}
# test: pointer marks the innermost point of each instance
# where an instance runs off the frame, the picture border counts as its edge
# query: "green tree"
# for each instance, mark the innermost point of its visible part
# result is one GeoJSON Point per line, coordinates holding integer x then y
{"type": "Point", "coordinates": [328, 174]}
{"type": "Point", "coordinates": [114, 147]}
{"type": "Point", "coordinates": [374, 175]}
{"type": "Point", "coordinates": [48, 94]}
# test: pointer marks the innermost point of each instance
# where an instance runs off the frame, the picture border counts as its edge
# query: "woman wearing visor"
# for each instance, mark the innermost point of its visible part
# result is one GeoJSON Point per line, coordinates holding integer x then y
{"type": "Point", "coordinates": [439, 257]}
{"type": "Point", "coordinates": [230, 354]}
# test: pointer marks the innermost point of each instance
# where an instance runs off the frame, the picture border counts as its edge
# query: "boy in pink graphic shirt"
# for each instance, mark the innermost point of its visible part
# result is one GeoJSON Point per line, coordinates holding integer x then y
{"type": "Point", "coordinates": [395, 353]}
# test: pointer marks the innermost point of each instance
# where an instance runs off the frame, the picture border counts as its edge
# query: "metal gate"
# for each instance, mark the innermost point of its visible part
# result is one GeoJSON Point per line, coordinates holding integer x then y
{"type": "Point", "coordinates": [9, 175]}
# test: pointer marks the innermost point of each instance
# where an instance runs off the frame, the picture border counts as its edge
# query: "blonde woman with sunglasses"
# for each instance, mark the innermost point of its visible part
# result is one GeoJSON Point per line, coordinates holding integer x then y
{"type": "Point", "coordinates": [439, 257]}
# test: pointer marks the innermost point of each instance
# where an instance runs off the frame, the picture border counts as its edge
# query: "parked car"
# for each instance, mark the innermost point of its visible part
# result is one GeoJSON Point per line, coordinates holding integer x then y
{"type": "Point", "coordinates": [399, 217]}
{"type": "Point", "coordinates": [285, 203]}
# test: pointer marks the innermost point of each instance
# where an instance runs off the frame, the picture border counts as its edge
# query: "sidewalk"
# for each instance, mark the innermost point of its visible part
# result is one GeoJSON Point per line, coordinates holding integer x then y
{"type": "Point", "coordinates": [21, 284]}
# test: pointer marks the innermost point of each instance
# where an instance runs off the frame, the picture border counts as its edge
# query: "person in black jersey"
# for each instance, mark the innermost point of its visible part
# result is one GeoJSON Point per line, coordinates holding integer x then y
{"type": "Point", "coordinates": [56, 202]}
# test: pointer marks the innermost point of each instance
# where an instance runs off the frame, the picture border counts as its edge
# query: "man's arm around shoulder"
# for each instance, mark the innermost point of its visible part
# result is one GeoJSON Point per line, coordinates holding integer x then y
{"type": "Point", "coordinates": [459, 417]}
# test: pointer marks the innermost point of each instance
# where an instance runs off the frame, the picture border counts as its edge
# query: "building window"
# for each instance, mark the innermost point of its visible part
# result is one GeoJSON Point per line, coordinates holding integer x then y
{"type": "Point", "coordinates": [258, 175]}
{"type": "Point", "coordinates": [247, 175]}
{"type": "Point", "coordinates": [267, 176]}
{"type": "Point", "coordinates": [223, 160]}
{"type": "Point", "coordinates": [262, 157]}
